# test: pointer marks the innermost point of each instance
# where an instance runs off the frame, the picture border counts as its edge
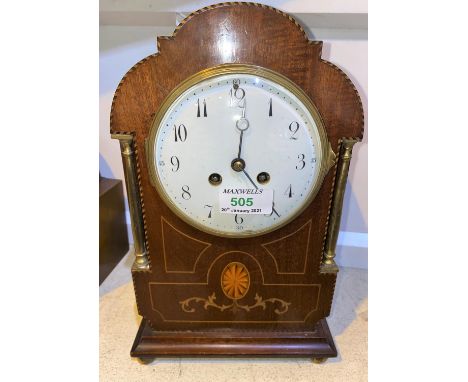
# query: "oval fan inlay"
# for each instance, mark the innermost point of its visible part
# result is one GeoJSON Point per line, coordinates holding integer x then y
{"type": "Point", "coordinates": [235, 280]}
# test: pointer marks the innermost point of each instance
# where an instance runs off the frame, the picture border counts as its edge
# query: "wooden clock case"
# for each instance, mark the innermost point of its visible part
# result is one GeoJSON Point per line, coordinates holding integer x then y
{"type": "Point", "coordinates": [178, 268]}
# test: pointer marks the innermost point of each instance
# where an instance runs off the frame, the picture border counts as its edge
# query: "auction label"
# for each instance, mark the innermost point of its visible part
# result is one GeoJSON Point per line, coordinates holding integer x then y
{"type": "Point", "coordinates": [246, 201]}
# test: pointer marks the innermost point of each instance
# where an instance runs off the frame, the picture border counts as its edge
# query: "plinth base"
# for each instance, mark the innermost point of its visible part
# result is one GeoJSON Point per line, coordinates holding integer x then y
{"type": "Point", "coordinates": [316, 344]}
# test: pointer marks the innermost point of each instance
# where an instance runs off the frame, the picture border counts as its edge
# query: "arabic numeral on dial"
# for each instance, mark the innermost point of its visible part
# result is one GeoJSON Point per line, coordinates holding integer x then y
{"type": "Point", "coordinates": [313, 160]}
{"type": "Point", "coordinates": [205, 114]}
{"type": "Point", "coordinates": [175, 163]}
{"type": "Point", "coordinates": [301, 163]}
{"type": "Point", "coordinates": [186, 192]}
{"type": "Point", "coordinates": [161, 163]}
{"type": "Point", "coordinates": [293, 128]}
{"type": "Point", "coordinates": [211, 209]}
{"type": "Point", "coordinates": [273, 211]}
{"type": "Point", "coordinates": [180, 133]}
{"type": "Point", "coordinates": [238, 219]}
{"type": "Point", "coordinates": [276, 212]}
{"type": "Point", "coordinates": [289, 192]}
{"type": "Point", "coordinates": [236, 94]}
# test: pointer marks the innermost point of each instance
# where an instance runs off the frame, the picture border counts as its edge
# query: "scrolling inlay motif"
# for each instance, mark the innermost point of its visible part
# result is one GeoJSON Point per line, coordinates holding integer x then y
{"type": "Point", "coordinates": [234, 306]}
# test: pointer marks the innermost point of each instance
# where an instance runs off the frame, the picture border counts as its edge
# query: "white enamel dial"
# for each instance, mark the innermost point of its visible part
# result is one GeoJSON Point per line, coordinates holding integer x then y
{"type": "Point", "coordinates": [199, 136]}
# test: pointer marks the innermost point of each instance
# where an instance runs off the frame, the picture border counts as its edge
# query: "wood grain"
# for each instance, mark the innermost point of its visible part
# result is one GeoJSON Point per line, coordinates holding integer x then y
{"type": "Point", "coordinates": [265, 37]}
{"type": "Point", "coordinates": [316, 343]}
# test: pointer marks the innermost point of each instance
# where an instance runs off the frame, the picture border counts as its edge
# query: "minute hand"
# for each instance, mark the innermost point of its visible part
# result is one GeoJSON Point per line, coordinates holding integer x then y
{"type": "Point", "coordinates": [256, 187]}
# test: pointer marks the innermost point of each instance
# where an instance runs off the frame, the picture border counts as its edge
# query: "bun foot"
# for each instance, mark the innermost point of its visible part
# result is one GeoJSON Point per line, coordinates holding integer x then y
{"type": "Point", "coordinates": [145, 360]}
{"type": "Point", "coordinates": [319, 360]}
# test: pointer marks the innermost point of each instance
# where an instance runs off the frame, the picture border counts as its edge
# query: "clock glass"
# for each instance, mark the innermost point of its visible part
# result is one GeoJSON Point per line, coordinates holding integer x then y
{"type": "Point", "coordinates": [241, 134]}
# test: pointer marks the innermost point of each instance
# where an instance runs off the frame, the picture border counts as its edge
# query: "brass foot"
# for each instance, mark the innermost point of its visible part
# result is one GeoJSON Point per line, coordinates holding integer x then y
{"type": "Point", "coordinates": [319, 360]}
{"type": "Point", "coordinates": [146, 360]}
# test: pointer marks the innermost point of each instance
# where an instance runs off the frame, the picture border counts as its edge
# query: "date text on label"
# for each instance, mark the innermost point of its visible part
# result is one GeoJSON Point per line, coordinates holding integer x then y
{"type": "Point", "coordinates": [245, 201]}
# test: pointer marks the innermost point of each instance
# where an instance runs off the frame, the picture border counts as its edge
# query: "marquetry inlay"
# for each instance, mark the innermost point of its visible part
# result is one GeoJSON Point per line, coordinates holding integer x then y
{"type": "Point", "coordinates": [235, 280]}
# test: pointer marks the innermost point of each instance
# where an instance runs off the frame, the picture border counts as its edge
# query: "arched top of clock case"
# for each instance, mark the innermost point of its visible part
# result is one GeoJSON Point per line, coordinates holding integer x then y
{"type": "Point", "coordinates": [246, 33]}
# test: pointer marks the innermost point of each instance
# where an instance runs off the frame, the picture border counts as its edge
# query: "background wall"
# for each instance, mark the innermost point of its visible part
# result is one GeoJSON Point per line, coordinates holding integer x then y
{"type": "Point", "coordinates": [128, 30]}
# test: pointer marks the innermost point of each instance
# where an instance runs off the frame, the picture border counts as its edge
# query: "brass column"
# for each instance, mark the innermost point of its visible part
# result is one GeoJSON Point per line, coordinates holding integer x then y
{"type": "Point", "coordinates": [328, 260]}
{"type": "Point", "coordinates": [136, 217]}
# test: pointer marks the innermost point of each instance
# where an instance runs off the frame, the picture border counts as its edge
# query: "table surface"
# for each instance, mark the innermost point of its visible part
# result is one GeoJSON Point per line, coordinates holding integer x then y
{"type": "Point", "coordinates": [119, 321]}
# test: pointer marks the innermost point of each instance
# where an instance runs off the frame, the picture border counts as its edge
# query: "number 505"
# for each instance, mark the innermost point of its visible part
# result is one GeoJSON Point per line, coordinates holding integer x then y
{"type": "Point", "coordinates": [241, 202]}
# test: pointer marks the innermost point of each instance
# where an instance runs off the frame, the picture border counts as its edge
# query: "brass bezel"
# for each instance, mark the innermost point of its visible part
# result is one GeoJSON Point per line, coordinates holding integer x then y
{"type": "Point", "coordinates": [327, 156]}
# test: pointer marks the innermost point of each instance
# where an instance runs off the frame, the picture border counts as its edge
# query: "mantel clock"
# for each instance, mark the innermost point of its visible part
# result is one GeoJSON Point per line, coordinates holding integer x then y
{"type": "Point", "coordinates": [236, 139]}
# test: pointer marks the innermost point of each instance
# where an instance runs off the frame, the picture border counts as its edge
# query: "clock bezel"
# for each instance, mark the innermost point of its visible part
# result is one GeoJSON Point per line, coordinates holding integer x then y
{"type": "Point", "coordinates": [326, 155]}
